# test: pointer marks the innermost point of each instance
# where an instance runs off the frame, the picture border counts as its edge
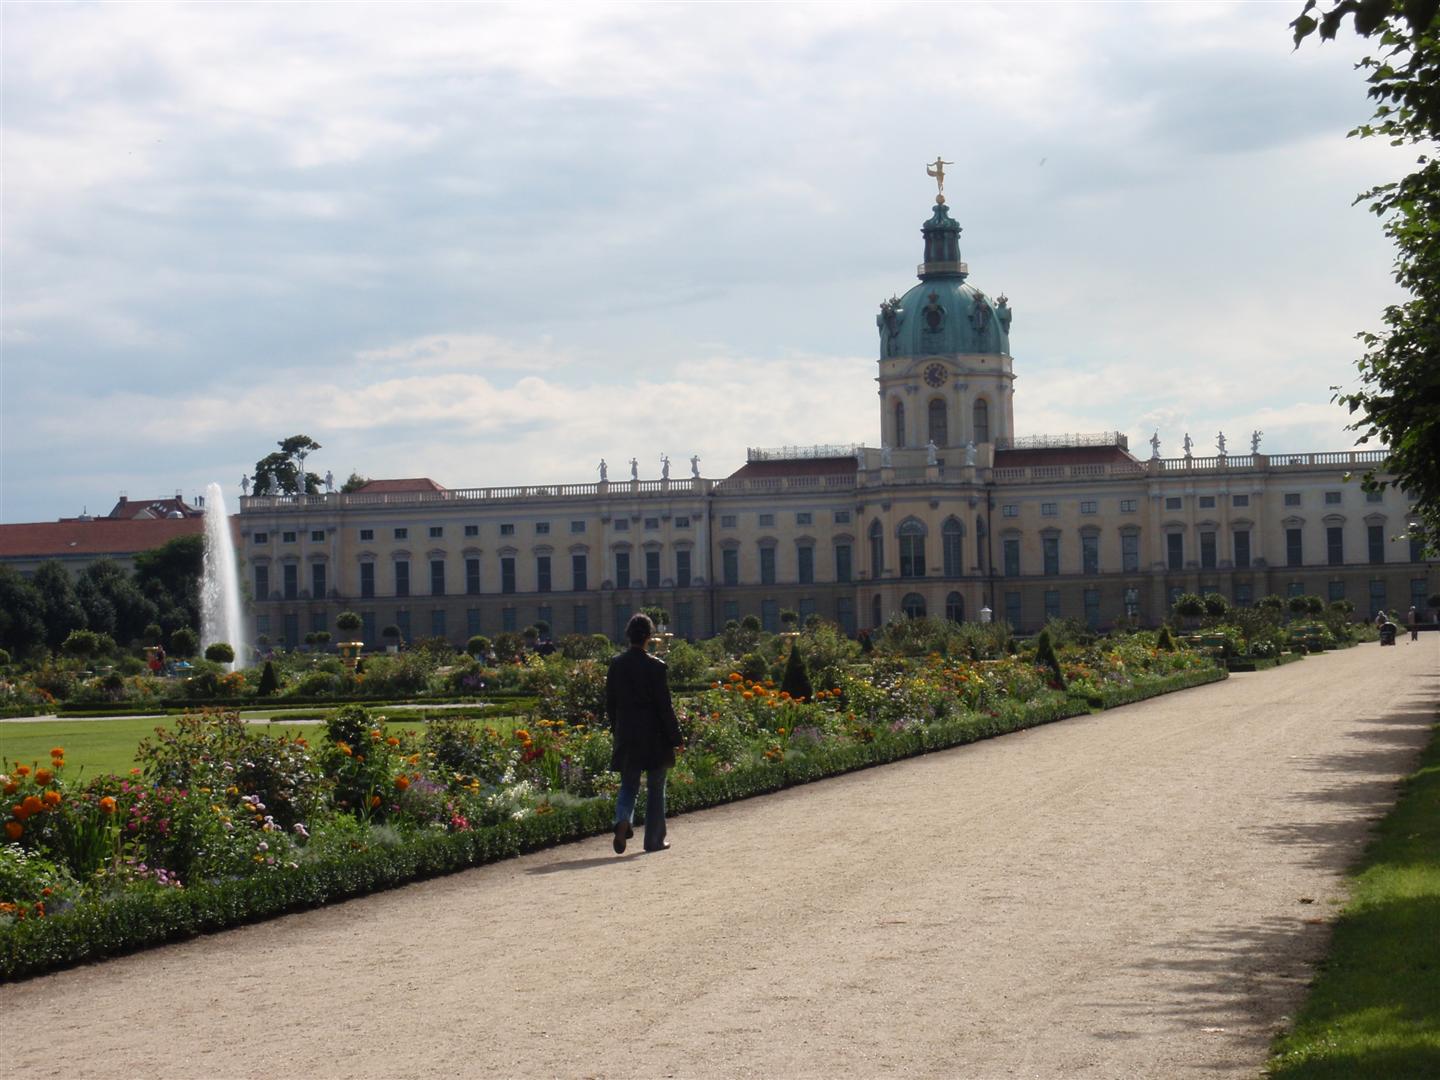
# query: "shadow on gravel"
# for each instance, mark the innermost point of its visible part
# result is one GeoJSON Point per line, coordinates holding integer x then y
{"type": "Point", "coordinates": [584, 864]}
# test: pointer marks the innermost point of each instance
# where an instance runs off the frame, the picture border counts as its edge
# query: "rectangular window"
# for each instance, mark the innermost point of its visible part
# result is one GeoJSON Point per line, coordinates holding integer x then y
{"type": "Point", "coordinates": [437, 577]}
{"type": "Point", "coordinates": [402, 534]}
{"type": "Point", "coordinates": [578, 571]}
{"type": "Point", "coordinates": [472, 577]}
{"type": "Point", "coordinates": [1292, 498]}
{"type": "Point", "coordinates": [402, 577]}
{"type": "Point", "coordinates": [767, 520]}
{"type": "Point", "coordinates": [1418, 598]}
{"type": "Point", "coordinates": [507, 574]}
{"type": "Point", "coordinates": [437, 622]}
{"type": "Point", "coordinates": [1335, 545]}
{"type": "Point", "coordinates": [1052, 604]}
{"type": "Point", "coordinates": [682, 522]}
{"type": "Point", "coordinates": [1207, 502]}
{"type": "Point", "coordinates": [1378, 602]}
{"type": "Point", "coordinates": [1417, 549]}
{"type": "Point", "coordinates": [770, 616]}
{"type": "Point", "coordinates": [367, 534]}
{"type": "Point", "coordinates": [845, 614]}
{"type": "Point", "coordinates": [1050, 547]}
{"type": "Point", "coordinates": [682, 568]}
{"type": "Point", "coordinates": [544, 614]}
{"type": "Point", "coordinates": [842, 517]}
{"type": "Point", "coordinates": [262, 583]}
{"type": "Point", "coordinates": [1087, 506]}
{"type": "Point", "coordinates": [621, 525]}
{"type": "Point", "coordinates": [509, 621]}
{"type": "Point", "coordinates": [622, 617]}
{"type": "Point", "coordinates": [684, 619]}
{"type": "Point", "coordinates": [1130, 552]}
{"type": "Point", "coordinates": [732, 611]}
{"type": "Point", "coordinates": [622, 569]}
{"type": "Point", "coordinates": [367, 580]}
{"type": "Point", "coordinates": [287, 538]}
{"type": "Point", "coordinates": [580, 615]}
{"type": "Point", "coordinates": [1092, 608]}
{"type": "Point", "coordinates": [1242, 549]}
{"type": "Point", "coordinates": [1336, 590]}
{"type": "Point", "coordinates": [1295, 588]}
{"type": "Point", "coordinates": [1293, 551]}
{"type": "Point", "coordinates": [317, 536]}
{"type": "Point", "coordinates": [1012, 556]}
{"type": "Point", "coordinates": [1174, 502]}
{"type": "Point", "coordinates": [730, 566]}
{"type": "Point", "coordinates": [652, 569]}
{"type": "Point", "coordinates": [577, 526]}
{"type": "Point", "coordinates": [292, 631]}
{"type": "Point", "coordinates": [317, 621]}
{"type": "Point", "coordinates": [472, 621]}
{"type": "Point", "coordinates": [727, 521]}
{"type": "Point", "coordinates": [1243, 594]}
{"type": "Point", "coordinates": [1375, 534]}
{"type": "Point", "coordinates": [805, 564]}
{"type": "Point", "coordinates": [1207, 550]}
{"type": "Point", "coordinates": [1089, 554]}
{"type": "Point", "coordinates": [542, 573]}
{"type": "Point", "coordinates": [1010, 510]}
{"type": "Point", "coordinates": [542, 528]}
{"type": "Point", "coordinates": [1049, 509]}
{"type": "Point", "coordinates": [402, 620]}
{"type": "Point", "coordinates": [368, 632]}
{"type": "Point", "coordinates": [318, 584]}
{"type": "Point", "coordinates": [767, 566]}
{"type": "Point", "coordinates": [1239, 500]}
{"type": "Point", "coordinates": [1175, 551]}
{"type": "Point", "coordinates": [842, 563]}
{"type": "Point", "coordinates": [1012, 609]}
{"type": "Point", "coordinates": [804, 518]}
{"type": "Point", "coordinates": [264, 538]}
{"type": "Point", "coordinates": [507, 529]}
{"type": "Point", "coordinates": [652, 523]}
{"type": "Point", "coordinates": [1129, 506]}
{"type": "Point", "coordinates": [290, 581]}
{"type": "Point", "coordinates": [1332, 498]}
{"type": "Point", "coordinates": [472, 530]}
{"type": "Point", "coordinates": [1374, 496]}
{"type": "Point", "coordinates": [437, 532]}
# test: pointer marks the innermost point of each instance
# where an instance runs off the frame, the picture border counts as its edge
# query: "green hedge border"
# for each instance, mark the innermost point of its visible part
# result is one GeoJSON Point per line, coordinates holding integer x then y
{"type": "Point", "coordinates": [94, 931]}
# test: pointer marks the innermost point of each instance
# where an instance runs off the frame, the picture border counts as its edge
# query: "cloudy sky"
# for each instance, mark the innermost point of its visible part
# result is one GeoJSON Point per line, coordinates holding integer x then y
{"type": "Point", "coordinates": [491, 244]}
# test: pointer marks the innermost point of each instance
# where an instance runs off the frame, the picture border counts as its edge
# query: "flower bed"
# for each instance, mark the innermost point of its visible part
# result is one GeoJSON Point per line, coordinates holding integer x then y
{"type": "Point", "coordinates": [223, 825]}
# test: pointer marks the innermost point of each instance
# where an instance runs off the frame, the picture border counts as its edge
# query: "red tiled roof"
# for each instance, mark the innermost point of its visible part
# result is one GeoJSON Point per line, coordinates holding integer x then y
{"type": "Point", "coordinates": [755, 470]}
{"type": "Point", "coordinates": [103, 536]}
{"type": "Point", "coordinates": [395, 487]}
{"type": "Point", "coordinates": [1065, 455]}
{"type": "Point", "coordinates": [127, 509]}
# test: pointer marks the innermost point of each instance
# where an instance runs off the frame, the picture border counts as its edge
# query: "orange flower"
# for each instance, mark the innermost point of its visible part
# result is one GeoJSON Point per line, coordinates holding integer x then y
{"type": "Point", "coordinates": [22, 770]}
{"type": "Point", "coordinates": [375, 734]}
{"type": "Point", "coordinates": [13, 829]}
{"type": "Point", "coordinates": [392, 741]}
{"type": "Point", "coordinates": [43, 776]}
{"type": "Point", "coordinates": [18, 812]}
{"type": "Point", "coordinates": [735, 676]}
{"type": "Point", "coordinates": [748, 695]}
{"type": "Point", "coordinates": [401, 783]}
{"type": "Point", "coordinates": [344, 749]}
{"type": "Point", "coordinates": [374, 800]}
{"type": "Point", "coordinates": [107, 804]}
{"type": "Point", "coordinates": [32, 804]}
{"type": "Point", "coordinates": [52, 797]}
{"type": "Point", "coordinates": [59, 763]}
{"type": "Point", "coordinates": [58, 751]}
{"type": "Point", "coordinates": [11, 787]}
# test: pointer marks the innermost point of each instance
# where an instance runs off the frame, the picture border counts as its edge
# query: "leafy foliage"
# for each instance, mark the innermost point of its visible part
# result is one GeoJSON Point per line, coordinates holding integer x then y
{"type": "Point", "coordinates": [279, 473]}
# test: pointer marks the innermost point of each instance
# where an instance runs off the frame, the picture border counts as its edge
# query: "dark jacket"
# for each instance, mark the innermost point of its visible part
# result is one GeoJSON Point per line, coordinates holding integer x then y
{"type": "Point", "coordinates": [637, 703]}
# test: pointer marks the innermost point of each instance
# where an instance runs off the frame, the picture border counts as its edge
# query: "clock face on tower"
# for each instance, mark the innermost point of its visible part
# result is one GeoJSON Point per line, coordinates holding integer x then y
{"type": "Point", "coordinates": [935, 374]}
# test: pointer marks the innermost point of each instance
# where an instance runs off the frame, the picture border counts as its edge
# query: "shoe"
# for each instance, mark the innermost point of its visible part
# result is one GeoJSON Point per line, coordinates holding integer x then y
{"type": "Point", "coordinates": [623, 831]}
{"type": "Point", "coordinates": [664, 846]}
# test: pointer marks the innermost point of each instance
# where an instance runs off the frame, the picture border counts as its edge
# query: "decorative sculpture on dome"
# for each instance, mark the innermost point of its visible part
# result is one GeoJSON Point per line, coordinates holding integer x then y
{"type": "Point", "coordinates": [934, 313]}
{"type": "Point", "coordinates": [1003, 313]}
{"type": "Point", "coordinates": [889, 319]}
{"type": "Point", "coordinates": [936, 169]}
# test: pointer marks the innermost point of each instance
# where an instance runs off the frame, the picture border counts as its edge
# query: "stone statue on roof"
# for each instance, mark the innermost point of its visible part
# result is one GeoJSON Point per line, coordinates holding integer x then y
{"type": "Point", "coordinates": [1255, 441]}
{"type": "Point", "coordinates": [664, 467]}
{"type": "Point", "coordinates": [970, 453]}
{"type": "Point", "coordinates": [604, 471]}
{"type": "Point", "coordinates": [930, 456]}
{"type": "Point", "coordinates": [1220, 443]}
{"type": "Point", "coordinates": [1155, 445]}
{"type": "Point", "coordinates": [634, 469]}
{"type": "Point", "coordinates": [1188, 444]}
{"type": "Point", "coordinates": [244, 483]}
{"type": "Point", "coordinates": [695, 466]}
{"type": "Point", "coordinates": [885, 458]}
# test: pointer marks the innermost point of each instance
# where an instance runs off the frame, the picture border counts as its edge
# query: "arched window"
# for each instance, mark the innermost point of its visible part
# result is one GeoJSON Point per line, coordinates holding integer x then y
{"type": "Point", "coordinates": [877, 615]}
{"type": "Point", "coordinates": [877, 552]}
{"type": "Point", "coordinates": [982, 421]}
{"type": "Point", "coordinates": [899, 423]}
{"type": "Point", "coordinates": [912, 549]}
{"type": "Point", "coordinates": [955, 607]}
{"type": "Point", "coordinates": [952, 539]}
{"type": "Point", "coordinates": [939, 423]}
{"type": "Point", "coordinates": [913, 605]}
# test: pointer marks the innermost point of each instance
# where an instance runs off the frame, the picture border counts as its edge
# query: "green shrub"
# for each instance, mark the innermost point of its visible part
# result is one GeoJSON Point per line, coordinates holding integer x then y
{"type": "Point", "coordinates": [796, 681]}
{"type": "Point", "coordinates": [1216, 606]}
{"type": "Point", "coordinates": [1045, 654]}
{"type": "Point", "coordinates": [184, 643]}
{"type": "Point", "coordinates": [268, 682]}
{"type": "Point", "coordinates": [1188, 605]}
{"type": "Point", "coordinates": [1165, 641]}
{"type": "Point", "coordinates": [753, 667]}
{"type": "Point", "coordinates": [220, 652]}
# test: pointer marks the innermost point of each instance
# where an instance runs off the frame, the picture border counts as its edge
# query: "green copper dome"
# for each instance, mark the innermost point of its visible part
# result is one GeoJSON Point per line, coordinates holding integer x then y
{"type": "Point", "coordinates": [943, 314]}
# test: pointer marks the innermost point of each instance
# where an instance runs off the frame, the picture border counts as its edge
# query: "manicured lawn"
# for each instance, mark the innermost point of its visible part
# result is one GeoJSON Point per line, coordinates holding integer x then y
{"type": "Point", "coordinates": [1375, 1009]}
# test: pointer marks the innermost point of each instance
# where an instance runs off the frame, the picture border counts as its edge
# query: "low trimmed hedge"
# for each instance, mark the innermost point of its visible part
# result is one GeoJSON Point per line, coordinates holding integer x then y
{"type": "Point", "coordinates": [95, 930]}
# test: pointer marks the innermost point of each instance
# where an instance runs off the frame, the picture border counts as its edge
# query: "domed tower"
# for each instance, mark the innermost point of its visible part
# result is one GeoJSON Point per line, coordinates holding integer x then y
{"type": "Point", "coordinates": [945, 368]}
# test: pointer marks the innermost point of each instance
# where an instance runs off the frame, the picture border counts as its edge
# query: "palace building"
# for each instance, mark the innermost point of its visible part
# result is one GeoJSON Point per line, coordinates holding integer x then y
{"type": "Point", "coordinates": [951, 515]}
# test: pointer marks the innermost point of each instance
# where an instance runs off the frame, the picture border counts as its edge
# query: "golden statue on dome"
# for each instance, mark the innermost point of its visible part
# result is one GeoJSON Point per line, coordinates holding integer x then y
{"type": "Point", "coordinates": [936, 169]}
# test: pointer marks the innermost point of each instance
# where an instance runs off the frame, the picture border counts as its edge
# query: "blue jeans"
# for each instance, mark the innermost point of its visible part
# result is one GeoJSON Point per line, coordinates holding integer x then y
{"type": "Point", "coordinates": [654, 803]}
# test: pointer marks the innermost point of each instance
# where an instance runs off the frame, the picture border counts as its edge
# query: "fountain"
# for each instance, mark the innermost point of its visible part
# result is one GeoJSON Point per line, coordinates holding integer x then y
{"type": "Point", "coordinates": [222, 617]}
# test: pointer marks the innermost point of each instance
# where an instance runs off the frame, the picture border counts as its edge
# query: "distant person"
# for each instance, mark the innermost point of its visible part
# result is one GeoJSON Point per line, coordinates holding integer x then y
{"type": "Point", "coordinates": [642, 718]}
{"type": "Point", "coordinates": [1414, 623]}
{"type": "Point", "coordinates": [1380, 619]}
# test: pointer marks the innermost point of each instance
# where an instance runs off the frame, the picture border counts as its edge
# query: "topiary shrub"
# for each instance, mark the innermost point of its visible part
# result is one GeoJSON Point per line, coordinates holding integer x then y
{"type": "Point", "coordinates": [184, 643]}
{"type": "Point", "coordinates": [349, 622]}
{"type": "Point", "coordinates": [1045, 654]}
{"type": "Point", "coordinates": [796, 681]}
{"type": "Point", "coordinates": [1188, 605]}
{"type": "Point", "coordinates": [1166, 640]}
{"type": "Point", "coordinates": [219, 652]}
{"type": "Point", "coordinates": [1216, 605]}
{"type": "Point", "coordinates": [478, 646]}
{"type": "Point", "coordinates": [268, 682]}
{"type": "Point", "coordinates": [753, 667]}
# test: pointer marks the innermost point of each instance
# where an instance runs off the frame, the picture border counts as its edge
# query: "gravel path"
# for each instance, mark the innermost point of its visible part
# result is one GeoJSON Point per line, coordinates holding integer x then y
{"type": "Point", "coordinates": [1137, 894]}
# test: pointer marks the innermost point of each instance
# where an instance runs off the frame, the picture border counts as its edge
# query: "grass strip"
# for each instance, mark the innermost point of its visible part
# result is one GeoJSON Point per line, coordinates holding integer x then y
{"type": "Point", "coordinates": [1374, 1010]}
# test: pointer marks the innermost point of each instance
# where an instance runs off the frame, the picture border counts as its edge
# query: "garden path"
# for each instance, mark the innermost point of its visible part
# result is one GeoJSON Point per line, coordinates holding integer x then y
{"type": "Point", "coordinates": [1141, 893]}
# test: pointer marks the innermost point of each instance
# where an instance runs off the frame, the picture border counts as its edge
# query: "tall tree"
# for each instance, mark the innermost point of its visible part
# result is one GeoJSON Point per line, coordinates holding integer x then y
{"type": "Point", "coordinates": [22, 616]}
{"type": "Point", "coordinates": [112, 601]}
{"type": "Point", "coordinates": [1398, 402]}
{"type": "Point", "coordinates": [59, 606]}
{"type": "Point", "coordinates": [169, 576]}
{"type": "Point", "coordinates": [280, 473]}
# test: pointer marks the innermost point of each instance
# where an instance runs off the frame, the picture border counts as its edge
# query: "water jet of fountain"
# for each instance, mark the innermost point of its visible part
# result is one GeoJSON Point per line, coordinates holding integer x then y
{"type": "Point", "coordinates": [222, 617]}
